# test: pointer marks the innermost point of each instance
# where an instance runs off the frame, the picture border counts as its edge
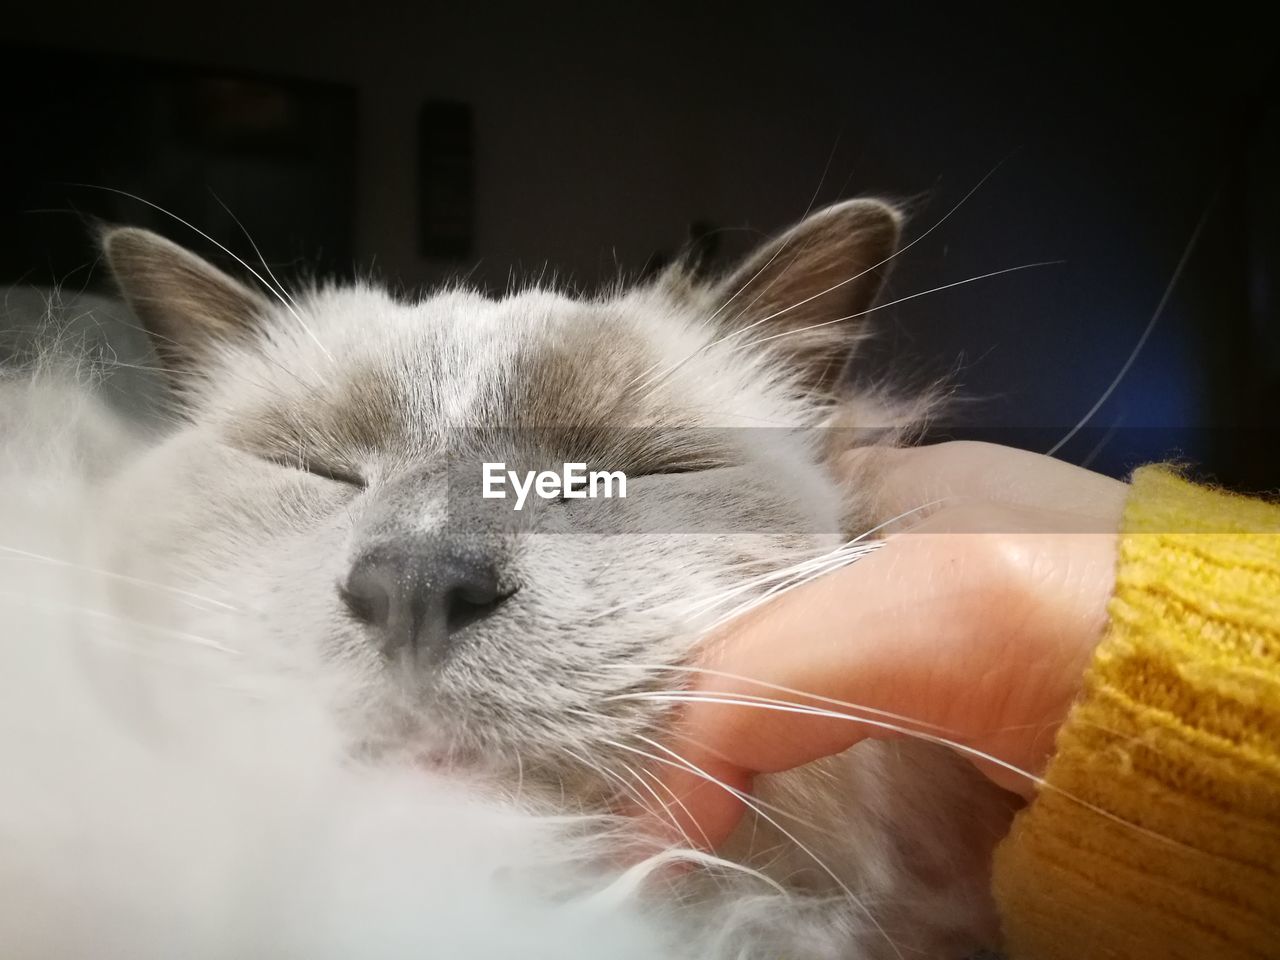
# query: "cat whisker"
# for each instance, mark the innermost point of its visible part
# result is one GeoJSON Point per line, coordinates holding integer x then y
{"type": "Point", "coordinates": [898, 252]}
{"type": "Point", "coordinates": [177, 376]}
{"type": "Point", "coordinates": [754, 800]}
{"type": "Point", "coordinates": [840, 555]}
{"type": "Point", "coordinates": [168, 213]}
{"type": "Point", "coordinates": [817, 698]}
{"type": "Point", "coordinates": [166, 632]}
{"type": "Point", "coordinates": [822, 179]}
{"type": "Point", "coordinates": [1146, 333]}
{"type": "Point", "coordinates": [662, 805]}
{"type": "Point", "coordinates": [1101, 445]}
{"type": "Point", "coordinates": [850, 552]}
{"type": "Point", "coordinates": [174, 375]}
{"type": "Point", "coordinates": [960, 747]}
{"type": "Point", "coordinates": [837, 563]}
{"type": "Point", "coordinates": [771, 574]}
{"type": "Point", "coordinates": [625, 886]}
{"type": "Point", "coordinates": [258, 253]}
{"type": "Point", "coordinates": [590, 714]}
{"type": "Point", "coordinates": [901, 250]}
{"type": "Point", "coordinates": [882, 306]}
{"type": "Point", "coordinates": [707, 321]}
{"type": "Point", "coordinates": [628, 790]}
{"type": "Point", "coordinates": [136, 581]}
{"type": "Point", "coordinates": [675, 798]}
{"type": "Point", "coordinates": [752, 803]}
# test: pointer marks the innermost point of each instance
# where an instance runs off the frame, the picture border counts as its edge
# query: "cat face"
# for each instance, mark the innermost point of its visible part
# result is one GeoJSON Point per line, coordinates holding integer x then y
{"type": "Point", "coordinates": [326, 481]}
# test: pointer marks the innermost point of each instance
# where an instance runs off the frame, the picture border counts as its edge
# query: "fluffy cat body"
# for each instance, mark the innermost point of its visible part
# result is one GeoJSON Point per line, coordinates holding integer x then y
{"type": "Point", "coordinates": [281, 778]}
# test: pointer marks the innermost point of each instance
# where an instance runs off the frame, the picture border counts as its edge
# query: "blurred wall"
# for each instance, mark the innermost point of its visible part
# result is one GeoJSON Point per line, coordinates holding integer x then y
{"type": "Point", "coordinates": [602, 134]}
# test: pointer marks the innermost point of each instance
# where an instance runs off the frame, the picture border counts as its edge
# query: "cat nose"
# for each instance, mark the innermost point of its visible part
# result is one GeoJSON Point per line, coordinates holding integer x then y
{"type": "Point", "coordinates": [418, 597]}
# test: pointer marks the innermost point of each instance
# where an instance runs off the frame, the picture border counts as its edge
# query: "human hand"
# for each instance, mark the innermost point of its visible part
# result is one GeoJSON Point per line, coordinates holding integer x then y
{"type": "Point", "coordinates": [974, 626]}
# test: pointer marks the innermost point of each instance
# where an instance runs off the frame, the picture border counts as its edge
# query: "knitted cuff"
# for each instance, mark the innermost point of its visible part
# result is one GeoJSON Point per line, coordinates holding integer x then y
{"type": "Point", "coordinates": [1158, 832]}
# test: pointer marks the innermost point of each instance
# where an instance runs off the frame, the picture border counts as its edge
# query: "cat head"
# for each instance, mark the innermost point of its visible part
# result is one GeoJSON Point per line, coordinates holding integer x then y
{"type": "Point", "coordinates": [324, 478]}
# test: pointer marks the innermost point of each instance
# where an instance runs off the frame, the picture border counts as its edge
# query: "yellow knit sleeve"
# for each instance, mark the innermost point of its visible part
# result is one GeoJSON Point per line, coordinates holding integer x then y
{"type": "Point", "coordinates": [1157, 834]}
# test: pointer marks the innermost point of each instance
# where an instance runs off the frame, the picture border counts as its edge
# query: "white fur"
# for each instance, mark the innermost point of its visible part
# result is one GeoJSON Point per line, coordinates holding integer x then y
{"type": "Point", "coordinates": [149, 808]}
{"type": "Point", "coordinates": [210, 753]}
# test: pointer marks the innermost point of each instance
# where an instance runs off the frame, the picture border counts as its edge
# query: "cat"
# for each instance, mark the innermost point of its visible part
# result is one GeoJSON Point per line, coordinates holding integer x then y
{"type": "Point", "coordinates": [308, 534]}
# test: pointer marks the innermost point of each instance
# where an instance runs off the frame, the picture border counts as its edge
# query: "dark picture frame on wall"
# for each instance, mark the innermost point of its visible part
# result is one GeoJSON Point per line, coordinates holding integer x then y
{"type": "Point", "coordinates": [232, 152]}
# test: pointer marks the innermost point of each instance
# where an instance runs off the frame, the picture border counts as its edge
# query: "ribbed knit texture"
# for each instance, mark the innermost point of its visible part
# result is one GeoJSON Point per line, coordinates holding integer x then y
{"type": "Point", "coordinates": [1158, 834]}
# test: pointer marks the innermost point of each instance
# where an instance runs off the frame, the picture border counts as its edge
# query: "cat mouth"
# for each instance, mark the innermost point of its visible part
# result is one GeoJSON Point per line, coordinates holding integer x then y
{"type": "Point", "coordinates": [436, 758]}
{"type": "Point", "coordinates": [449, 761]}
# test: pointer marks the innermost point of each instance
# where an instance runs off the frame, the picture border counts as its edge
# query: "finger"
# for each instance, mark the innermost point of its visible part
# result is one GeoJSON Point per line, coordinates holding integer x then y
{"type": "Point", "coordinates": [888, 636]}
{"type": "Point", "coordinates": [898, 480]}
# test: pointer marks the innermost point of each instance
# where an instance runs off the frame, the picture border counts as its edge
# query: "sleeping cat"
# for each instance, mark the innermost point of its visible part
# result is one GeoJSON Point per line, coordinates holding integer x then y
{"type": "Point", "coordinates": [319, 491]}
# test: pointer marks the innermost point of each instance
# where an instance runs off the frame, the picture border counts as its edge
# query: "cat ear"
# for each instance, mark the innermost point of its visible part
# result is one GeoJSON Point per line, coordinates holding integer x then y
{"type": "Point", "coordinates": [802, 292]}
{"type": "Point", "coordinates": [187, 305]}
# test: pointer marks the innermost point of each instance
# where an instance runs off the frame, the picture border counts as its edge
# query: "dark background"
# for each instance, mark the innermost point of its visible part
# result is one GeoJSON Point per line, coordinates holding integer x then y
{"type": "Point", "coordinates": [423, 141]}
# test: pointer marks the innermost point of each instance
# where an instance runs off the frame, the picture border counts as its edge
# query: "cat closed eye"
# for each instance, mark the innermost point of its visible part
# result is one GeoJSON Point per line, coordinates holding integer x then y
{"type": "Point", "coordinates": [320, 469]}
{"type": "Point", "coordinates": [663, 470]}
{"type": "Point", "coordinates": [683, 467]}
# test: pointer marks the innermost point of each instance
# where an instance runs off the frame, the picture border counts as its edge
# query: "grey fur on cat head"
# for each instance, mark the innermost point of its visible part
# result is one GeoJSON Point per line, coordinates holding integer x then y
{"type": "Point", "coordinates": [324, 481]}
{"type": "Point", "coordinates": [319, 432]}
